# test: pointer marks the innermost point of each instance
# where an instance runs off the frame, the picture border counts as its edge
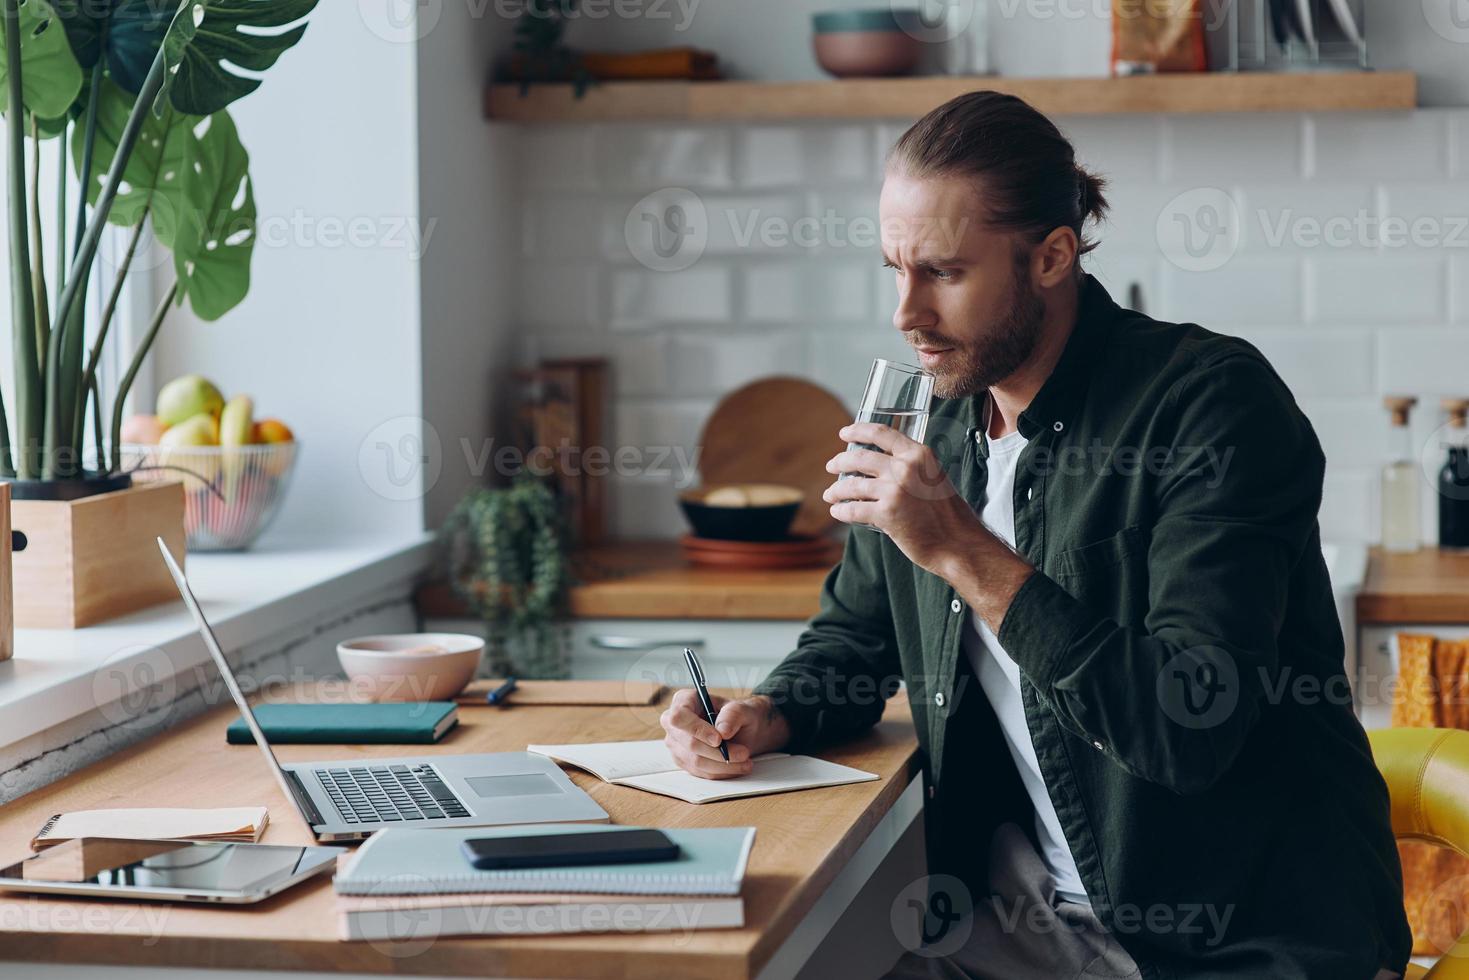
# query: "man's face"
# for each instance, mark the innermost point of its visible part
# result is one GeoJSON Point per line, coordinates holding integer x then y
{"type": "Point", "coordinates": [965, 303]}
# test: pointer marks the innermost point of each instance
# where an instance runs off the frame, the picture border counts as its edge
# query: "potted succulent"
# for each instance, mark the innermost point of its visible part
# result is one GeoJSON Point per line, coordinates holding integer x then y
{"type": "Point", "coordinates": [507, 558]}
{"type": "Point", "coordinates": [137, 91]}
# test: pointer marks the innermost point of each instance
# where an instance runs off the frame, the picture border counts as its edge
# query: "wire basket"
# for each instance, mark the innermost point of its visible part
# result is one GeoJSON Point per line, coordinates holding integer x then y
{"type": "Point", "coordinates": [231, 494]}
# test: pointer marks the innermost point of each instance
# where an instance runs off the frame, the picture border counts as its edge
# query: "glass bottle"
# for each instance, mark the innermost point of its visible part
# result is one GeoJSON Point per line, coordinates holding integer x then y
{"type": "Point", "coordinates": [1400, 528]}
{"type": "Point", "coordinates": [1453, 479]}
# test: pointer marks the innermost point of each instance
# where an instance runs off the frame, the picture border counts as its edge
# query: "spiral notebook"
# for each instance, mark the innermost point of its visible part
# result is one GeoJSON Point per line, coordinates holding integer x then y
{"type": "Point", "coordinates": [410, 861]}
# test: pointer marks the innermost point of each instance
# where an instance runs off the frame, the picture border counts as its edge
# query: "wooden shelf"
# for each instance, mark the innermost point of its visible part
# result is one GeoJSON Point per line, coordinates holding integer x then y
{"type": "Point", "coordinates": [871, 98]}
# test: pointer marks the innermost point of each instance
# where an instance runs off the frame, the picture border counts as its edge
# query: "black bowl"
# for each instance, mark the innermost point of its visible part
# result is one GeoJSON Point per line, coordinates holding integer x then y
{"type": "Point", "coordinates": [761, 522]}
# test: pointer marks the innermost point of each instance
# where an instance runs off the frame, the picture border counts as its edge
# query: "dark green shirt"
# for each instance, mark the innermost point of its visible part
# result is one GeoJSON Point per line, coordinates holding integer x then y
{"type": "Point", "coordinates": [1181, 663]}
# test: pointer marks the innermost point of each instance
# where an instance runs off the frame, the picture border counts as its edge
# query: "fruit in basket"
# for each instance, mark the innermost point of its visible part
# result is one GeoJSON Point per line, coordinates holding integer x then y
{"type": "Point", "coordinates": [176, 445]}
{"type": "Point", "coordinates": [186, 397]}
{"type": "Point", "coordinates": [144, 430]}
{"type": "Point", "coordinates": [273, 430]}
{"type": "Point", "coordinates": [235, 423]}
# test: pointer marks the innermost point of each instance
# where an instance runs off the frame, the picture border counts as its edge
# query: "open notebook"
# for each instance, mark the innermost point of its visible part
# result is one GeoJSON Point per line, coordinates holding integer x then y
{"type": "Point", "coordinates": [649, 766]}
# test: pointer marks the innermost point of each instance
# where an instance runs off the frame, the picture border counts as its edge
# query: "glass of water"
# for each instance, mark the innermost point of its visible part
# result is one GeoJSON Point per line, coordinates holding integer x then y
{"type": "Point", "coordinates": [898, 396]}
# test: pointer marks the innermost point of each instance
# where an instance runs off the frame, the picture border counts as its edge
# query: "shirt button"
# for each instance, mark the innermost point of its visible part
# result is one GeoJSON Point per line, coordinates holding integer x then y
{"type": "Point", "coordinates": [978, 437]}
{"type": "Point", "coordinates": [1099, 746]}
{"type": "Point", "coordinates": [956, 605]}
{"type": "Point", "coordinates": [1029, 492]}
{"type": "Point", "coordinates": [938, 699]}
{"type": "Point", "coordinates": [932, 792]}
{"type": "Point", "coordinates": [1058, 426]}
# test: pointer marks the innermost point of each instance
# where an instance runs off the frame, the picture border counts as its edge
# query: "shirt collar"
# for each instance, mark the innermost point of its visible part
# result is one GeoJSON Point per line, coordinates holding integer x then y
{"type": "Point", "coordinates": [1054, 405]}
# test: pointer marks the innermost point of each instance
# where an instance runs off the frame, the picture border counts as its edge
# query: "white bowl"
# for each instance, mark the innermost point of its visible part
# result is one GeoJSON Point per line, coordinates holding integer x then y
{"type": "Point", "coordinates": [388, 669]}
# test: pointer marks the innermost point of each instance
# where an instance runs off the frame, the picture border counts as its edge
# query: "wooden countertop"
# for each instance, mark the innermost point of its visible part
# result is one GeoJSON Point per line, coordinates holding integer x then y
{"type": "Point", "coordinates": [1424, 586]}
{"type": "Point", "coordinates": [802, 842]}
{"type": "Point", "coordinates": [653, 580]}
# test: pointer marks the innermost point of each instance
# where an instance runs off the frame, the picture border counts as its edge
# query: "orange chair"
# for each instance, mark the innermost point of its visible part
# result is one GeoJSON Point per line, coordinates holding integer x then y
{"type": "Point", "coordinates": [1427, 774]}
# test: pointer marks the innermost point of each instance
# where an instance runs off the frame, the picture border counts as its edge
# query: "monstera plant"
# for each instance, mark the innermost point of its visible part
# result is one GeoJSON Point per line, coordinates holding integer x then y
{"type": "Point", "coordinates": [138, 91]}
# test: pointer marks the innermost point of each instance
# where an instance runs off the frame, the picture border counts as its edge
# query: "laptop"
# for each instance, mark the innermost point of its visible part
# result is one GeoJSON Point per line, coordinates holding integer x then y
{"type": "Point", "coordinates": [348, 800]}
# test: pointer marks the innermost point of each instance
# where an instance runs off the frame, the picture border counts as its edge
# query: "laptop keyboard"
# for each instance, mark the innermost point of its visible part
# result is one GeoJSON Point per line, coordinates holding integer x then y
{"type": "Point", "coordinates": [390, 794]}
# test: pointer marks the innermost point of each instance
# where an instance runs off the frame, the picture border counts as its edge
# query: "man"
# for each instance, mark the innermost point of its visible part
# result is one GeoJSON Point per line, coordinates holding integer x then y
{"type": "Point", "coordinates": [1101, 578]}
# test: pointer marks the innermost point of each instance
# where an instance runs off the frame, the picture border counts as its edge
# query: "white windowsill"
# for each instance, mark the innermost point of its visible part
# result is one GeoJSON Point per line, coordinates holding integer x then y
{"type": "Point", "coordinates": [246, 596]}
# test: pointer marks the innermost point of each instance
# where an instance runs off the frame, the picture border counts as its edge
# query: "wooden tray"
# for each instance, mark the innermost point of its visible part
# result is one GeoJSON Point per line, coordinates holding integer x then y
{"type": "Point", "coordinates": [799, 552]}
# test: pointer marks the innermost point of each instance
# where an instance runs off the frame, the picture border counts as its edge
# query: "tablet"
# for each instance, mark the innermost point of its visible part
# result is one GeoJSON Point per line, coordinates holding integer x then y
{"type": "Point", "coordinates": [191, 871]}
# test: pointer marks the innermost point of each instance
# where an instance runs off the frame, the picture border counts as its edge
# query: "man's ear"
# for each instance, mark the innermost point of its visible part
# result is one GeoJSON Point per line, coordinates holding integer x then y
{"type": "Point", "coordinates": [1053, 261]}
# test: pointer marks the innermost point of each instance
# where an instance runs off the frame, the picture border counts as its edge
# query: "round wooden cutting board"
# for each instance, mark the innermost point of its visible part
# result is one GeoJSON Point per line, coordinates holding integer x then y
{"type": "Point", "coordinates": [777, 430]}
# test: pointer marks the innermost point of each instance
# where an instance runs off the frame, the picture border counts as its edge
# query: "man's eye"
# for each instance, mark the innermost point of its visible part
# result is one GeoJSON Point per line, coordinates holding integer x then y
{"type": "Point", "coordinates": [943, 274]}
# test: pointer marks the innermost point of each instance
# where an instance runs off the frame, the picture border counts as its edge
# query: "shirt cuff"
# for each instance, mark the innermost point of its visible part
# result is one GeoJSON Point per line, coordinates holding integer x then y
{"type": "Point", "coordinates": [1040, 626]}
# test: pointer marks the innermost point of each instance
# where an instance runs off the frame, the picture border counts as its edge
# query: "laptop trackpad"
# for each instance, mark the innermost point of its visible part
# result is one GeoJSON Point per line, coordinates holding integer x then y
{"type": "Point", "coordinates": [527, 784]}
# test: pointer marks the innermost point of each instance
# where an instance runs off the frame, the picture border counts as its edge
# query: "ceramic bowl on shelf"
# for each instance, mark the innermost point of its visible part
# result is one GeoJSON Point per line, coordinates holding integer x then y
{"type": "Point", "coordinates": [411, 666]}
{"type": "Point", "coordinates": [870, 43]}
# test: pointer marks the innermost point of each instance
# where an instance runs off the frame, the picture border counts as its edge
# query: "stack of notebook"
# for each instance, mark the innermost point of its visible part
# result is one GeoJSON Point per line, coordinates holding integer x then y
{"type": "Point", "coordinates": [411, 884]}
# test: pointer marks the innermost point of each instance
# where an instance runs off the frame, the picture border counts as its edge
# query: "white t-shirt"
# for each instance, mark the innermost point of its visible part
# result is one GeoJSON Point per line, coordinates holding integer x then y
{"type": "Point", "coordinates": [999, 677]}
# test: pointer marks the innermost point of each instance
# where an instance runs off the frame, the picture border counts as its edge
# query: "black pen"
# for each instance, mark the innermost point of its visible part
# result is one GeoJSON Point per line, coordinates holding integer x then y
{"type": "Point", "coordinates": [499, 694]}
{"type": "Point", "coordinates": [697, 673]}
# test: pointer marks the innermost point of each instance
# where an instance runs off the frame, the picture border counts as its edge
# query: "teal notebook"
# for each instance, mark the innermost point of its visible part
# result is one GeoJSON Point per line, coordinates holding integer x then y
{"type": "Point", "coordinates": [409, 861]}
{"type": "Point", "coordinates": [404, 723]}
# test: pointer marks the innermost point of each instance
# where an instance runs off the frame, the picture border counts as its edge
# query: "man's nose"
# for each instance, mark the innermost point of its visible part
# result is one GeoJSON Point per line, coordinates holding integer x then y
{"type": "Point", "coordinates": [913, 313]}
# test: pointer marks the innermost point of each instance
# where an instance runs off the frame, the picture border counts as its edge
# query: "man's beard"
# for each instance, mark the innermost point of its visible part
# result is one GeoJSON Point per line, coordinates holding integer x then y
{"type": "Point", "coordinates": [1002, 350]}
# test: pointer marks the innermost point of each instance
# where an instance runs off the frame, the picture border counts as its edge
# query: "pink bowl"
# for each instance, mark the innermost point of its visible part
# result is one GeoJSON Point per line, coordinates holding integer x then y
{"type": "Point", "coordinates": [393, 667]}
{"type": "Point", "coordinates": [867, 54]}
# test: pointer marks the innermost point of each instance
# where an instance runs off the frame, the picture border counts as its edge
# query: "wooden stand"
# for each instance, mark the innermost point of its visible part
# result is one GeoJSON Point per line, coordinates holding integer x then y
{"type": "Point", "coordinates": [92, 559]}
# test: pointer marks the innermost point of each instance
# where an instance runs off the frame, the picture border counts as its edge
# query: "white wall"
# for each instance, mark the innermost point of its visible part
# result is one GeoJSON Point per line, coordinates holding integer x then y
{"type": "Point", "coordinates": [468, 194]}
{"type": "Point", "coordinates": [328, 338]}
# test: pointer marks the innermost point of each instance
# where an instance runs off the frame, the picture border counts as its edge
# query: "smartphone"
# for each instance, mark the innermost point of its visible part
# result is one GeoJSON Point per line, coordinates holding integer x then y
{"type": "Point", "coordinates": [562, 850]}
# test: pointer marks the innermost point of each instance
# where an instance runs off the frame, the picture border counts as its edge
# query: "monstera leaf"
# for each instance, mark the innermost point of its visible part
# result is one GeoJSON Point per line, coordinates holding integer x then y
{"type": "Point", "coordinates": [126, 34]}
{"type": "Point", "coordinates": [50, 76]}
{"type": "Point", "coordinates": [215, 235]}
{"type": "Point", "coordinates": [153, 175]}
{"type": "Point", "coordinates": [209, 38]}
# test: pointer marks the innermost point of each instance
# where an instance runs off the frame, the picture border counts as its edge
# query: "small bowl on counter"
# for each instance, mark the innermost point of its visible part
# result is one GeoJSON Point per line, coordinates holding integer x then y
{"type": "Point", "coordinates": [742, 511]}
{"type": "Point", "coordinates": [411, 666]}
{"type": "Point", "coordinates": [872, 43]}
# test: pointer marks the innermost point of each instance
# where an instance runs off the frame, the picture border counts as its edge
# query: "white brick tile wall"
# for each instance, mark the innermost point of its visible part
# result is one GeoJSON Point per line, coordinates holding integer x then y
{"type": "Point", "coordinates": [1231, 148]}
{"type": "Point", "coordinates": [721, 361]}
{"type": "Point", "coordinates": [1343, 319]}
{"type": "Point", "coordinates": [1378, 289]}
{"type": "Point", "coordinates": [648, 157]}
{"type": "Point", "coordinates": [642, 297]}
{"type": "Point", "coordinates": [1374, 145]}
{"type": "Point", "coordinates": [1247, 290]}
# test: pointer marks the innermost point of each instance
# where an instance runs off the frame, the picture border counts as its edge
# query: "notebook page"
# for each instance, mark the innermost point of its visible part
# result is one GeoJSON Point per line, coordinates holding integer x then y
{"type": "Point", "coordinates": [611, 761]}
{"type": "Point", "coordinates": [772, 774]}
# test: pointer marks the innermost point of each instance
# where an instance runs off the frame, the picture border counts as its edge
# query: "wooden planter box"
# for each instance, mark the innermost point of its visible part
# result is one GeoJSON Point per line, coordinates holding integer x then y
{"type": "Point", "coordinates": [92, 559]}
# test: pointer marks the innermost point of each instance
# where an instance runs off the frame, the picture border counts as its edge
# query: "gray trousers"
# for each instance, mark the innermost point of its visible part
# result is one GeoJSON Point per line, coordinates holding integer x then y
{"type": "Point", "coordinates": [1023, 932]}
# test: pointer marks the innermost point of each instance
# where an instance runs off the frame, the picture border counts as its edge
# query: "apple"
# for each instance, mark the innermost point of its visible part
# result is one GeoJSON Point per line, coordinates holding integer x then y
{"type": "Point", "coordinates": [143, 430]}
{"type": "Point", "coordinates": [188, 396]}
